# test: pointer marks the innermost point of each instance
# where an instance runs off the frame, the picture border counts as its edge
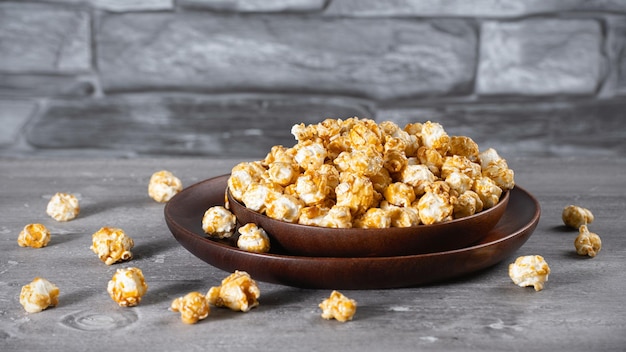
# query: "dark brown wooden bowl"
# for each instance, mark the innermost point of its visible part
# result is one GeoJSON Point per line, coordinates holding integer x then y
{"type": "Point", "coordinates": [305, 240]}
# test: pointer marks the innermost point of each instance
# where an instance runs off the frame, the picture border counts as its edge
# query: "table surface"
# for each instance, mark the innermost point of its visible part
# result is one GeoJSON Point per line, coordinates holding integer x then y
{"type": "Point", "coordinates": [583, 306]}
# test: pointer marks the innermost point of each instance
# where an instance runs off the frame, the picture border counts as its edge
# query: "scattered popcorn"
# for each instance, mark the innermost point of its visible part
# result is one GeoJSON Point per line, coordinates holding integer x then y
{"type": "Point", "coordinates": [163, 186]}
{"type": "Point", "coordinates": [357, 164]}
{"type": "Point", "coordinates": [338, 307]}
{"type": "Point", "coordinates": [127, 287]}
{"type": "Point", "coordinates": [587, 243]}
{"type": "Point", "coordinates": [112, 245]}
{"type": "Point", "coordinates": [253, 239]}
{"type": "Point", "coordinates": [575, 216]}
{"type": "Point", "coordinates": [530, 270]}
{"type": "Point", "coordinates": [193, 307]}
{"type": "Point", "coordinates": [63, 207]}
{"type": "Point", "coordinates": [238, 292]}
{"type": "Point", "coordinates": [218, 222]}
{"type": "Point", "coordinates": [34, 235]}
{"type": "Point", "coordinates": [39, 295]}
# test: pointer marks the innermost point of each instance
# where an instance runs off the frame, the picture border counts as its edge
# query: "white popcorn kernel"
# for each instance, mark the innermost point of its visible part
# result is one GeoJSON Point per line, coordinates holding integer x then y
{"type": "Point", "coordinates": [193, 307]}
{"type": "Point", "coordinates": [127, 287]}
{"type": "Point", "coordinates": [39, 295]}
{"type": "Point", "coordinates": [112, 245]}
{"type": "Point", "coordinates": [238, 291]}
{"type": "Point", "coordinates": [530, 270]}
{"type": "Point", "coordinates": [218, 222]}
{"type": "Point", "coordinates": [34, 235]}
{"type": "Point", "coordinates": [338, 307]}
{"type": "Point", "coordinates": [253, 239]}
{"type": "Point", "coordinates": [163, 186]}
{"type": "Point", "coordinates": [63, 207]}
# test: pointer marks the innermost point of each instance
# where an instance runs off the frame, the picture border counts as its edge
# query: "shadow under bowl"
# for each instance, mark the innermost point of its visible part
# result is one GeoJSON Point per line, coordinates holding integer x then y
{"type": "Point", "coordinates": [314, 241]}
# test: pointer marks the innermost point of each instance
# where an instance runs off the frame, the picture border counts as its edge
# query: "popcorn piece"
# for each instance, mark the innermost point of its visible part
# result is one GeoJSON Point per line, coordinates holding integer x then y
{"type": "Point", "coordinates": [463, 146]}
{"type": "Point", "coordinates": [418, 176]}
{"type": "Point", "coordinates": [575, 216]}
{"type": "Point", "coordinates": [355, 192]}
{"type": "Point", "coordinates": [530, 270]}
{"type": "Point", "coordinates": [193, 307]}
{"type": "Point", "coordinates": [436, 205]}
{"type": "Point", "coordinates": [257, 195]}
{"type": "Point", "coordinates": [253, 239]}
{"type": "Point", "coordinates": [219, 222]}
{"type": "Point", "coordinates": [401, 216]}
{"type": "Point", "coordinates": [238, 292]}
{"type": "Point", "coordinates": [366, 161]}
{"type": "Point", "coordinates": [435, 137]}
{"type": "Point", "coordinates": [163, 186]}
{"type": "Point", "coordinates": [587, 243]}
{"type": "Point", "coordinates": [285, 208]}
{"type": "Point", "coordinates": [127, 287]}
{"type": "Point", "coordinates": [400, 194]}
{"type": "Point", "coordinates": [338, 307]}
{"type": "Point", "coordinates": [467, 204]}
{"type": "Point", "coordinates": [34, 235]}
{"type": "Point", "coordinates": [39, 295]}
{"type": "Point", "coordinates": [63, 207]}
{"type": "Point", "coordinates": [488, 191]}
{"type": "Point", "coordinates": [310, 155]}
{"type": "Point", "coordinates": [374, 218]}
{"type": "Point", "coordinates": [283, 173]}
{"type": "Point", "coordinates": [112, 245]}
{"type": "Point", "coordinates": [496, 168]}
{"type": "Point", "coordinates": [242, 176]}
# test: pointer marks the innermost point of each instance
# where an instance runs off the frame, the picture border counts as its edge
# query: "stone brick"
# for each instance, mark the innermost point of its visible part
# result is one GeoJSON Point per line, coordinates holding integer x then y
{"type": "Point", "coordinates": [374, 58]}
{"type": "Point", "coordinates": [256, 5]}
{"type": "Point", "coordinates": [44, 39]}
{"type": "Point", "coordinates": [219, 125]}
{"type": "Point", "coordinates": [120, 5]}
{"type": "Point", "coordinates": [591, 128]}
{"type": "Point", "coordinates": [540, 56]}
{"type": "Point", "coordinates": [13, 116]}
{"type": "Point", "coordinates": [464, 8]}
{"type": "Point", "coordinates": [616, 50]}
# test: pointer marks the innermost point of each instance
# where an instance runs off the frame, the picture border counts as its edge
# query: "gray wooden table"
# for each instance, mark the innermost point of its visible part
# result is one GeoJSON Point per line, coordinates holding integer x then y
{"type": "Point", "coordinates": [583, 306]}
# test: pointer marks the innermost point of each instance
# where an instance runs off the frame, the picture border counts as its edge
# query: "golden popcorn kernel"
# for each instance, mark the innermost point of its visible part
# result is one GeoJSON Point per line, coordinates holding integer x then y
{"type": "Point", "coordinates": [163, 186]}
{"type": "Point", "coordinates": [575, 216]}
{"type": "Point", "coordinates": [338, 307]}
{"type": "Point", "coordinates": [112, 245]}
{"type": "Point", "coordinates": [34, 235]}
{"type": "Point", "coordinates": [127, 287]}
{"type": "Point", "coordinates": [253, 239]}
{"type": "Point", "coordinates": [530, 270]}
{"type": "Point", "coordinates": [238, 291]}
{"type": "Point", "coordinates": [39, 295]}
{"type": "Point", "coordinates": [219, 222]}
{"type": "Point", "coordinates": [193, 307]}
{"type": "Point", "coordinates": [63, 207]}
{"type": "Point", "coordinates": [587, 243]}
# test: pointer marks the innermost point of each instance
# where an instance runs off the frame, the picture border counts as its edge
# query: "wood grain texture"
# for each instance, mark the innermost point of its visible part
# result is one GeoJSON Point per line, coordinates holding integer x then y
{"type": "Point", "coordinates": [583, 306]}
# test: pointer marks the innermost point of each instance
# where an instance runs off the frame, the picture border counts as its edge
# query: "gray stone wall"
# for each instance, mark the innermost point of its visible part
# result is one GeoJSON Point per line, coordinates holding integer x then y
{"type": "Point", "coordinates": [229, 78]}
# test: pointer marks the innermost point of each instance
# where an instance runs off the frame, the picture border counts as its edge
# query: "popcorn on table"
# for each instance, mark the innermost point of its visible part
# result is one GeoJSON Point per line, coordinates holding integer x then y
{"type": "Point", "coordinates": [238, 291]}
{"type": "Point", "coordinates": [587, 243]}
{"type": "Point", "coordinates": [575, 216]}
{"type": "Point", "coordinates": [34, 235]}
{"type": "Point", "coordinates": [338, 307]}
{"type": "Point", "coordinates": [530, 270]}
{"type": "Point", "coordinates": [219, 222]}
{"type": "Point", "coordinates": [193, 307]}
{"type": "Point", "coordinates": [163, 186]}
{"type": "Point", "coordinates": [112, 245]}
{"type": "Point", "coordinates": [39, 295]}
{"type": "Point", "coordinates": [63, 207]}
{"type": "Point", "coordinates": [127, 286]}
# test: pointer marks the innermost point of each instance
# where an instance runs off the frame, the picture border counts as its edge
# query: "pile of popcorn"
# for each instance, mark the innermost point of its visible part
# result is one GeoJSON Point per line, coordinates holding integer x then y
{"type": "Point", "coordinates": [357, 173]}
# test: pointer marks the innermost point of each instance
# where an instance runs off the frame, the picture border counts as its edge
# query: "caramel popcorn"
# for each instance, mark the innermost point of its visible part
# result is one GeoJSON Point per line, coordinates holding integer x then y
{"type": "Point", "coordinates": [238, 292]}
{"type": "Point", "coordinates": [218, 222]}
{"type": "Point", "coordinates": [163, 186]}
{"type": "Point", "coordinates": [530, 270]}
{"type": "Point", "coordinates": [112, 245]}
{"type": "Point", "coordinates": [253, 239]}
{"type": "Point", "coordinates": [193, 307]}
{"type": "Point", "coordinates": [338, 307]}
{"type": "Point", "coordinates": [63, 207]}
{"type": "Point", "coordinates": [360, 165]}
{"type": "Point", "coordinates": [587, 243]}
{"type": "Point", "coordinates": [575, 216]}
{"type": "Point", "coordinates": [39, 295]}
{"type": "Point", "coordinates": [34, 235]}
{"type": "Point", "coordinates": [127, 287]}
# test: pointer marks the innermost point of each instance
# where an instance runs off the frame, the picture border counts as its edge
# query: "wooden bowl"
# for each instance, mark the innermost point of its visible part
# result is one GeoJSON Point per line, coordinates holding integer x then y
{"type": "Point", "coordinates": [313, 241]}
